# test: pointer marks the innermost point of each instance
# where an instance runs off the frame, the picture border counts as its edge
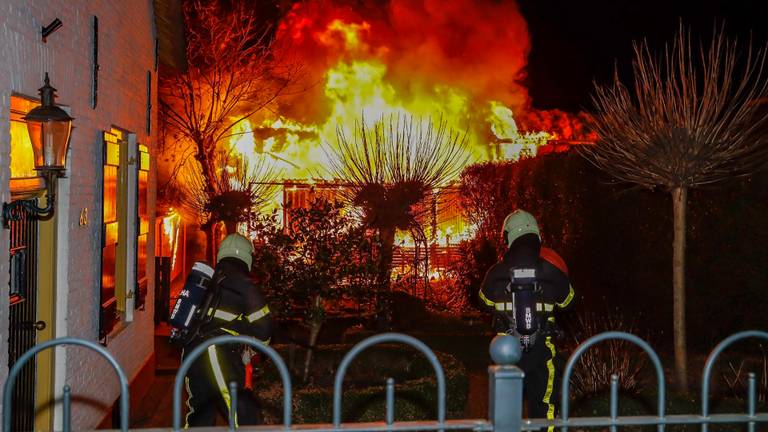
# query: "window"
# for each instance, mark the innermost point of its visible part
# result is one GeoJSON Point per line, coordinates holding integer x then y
{"type": "Point", "coordinates": [142, 228]}
{"type": "Point", "coordinates": [25, 182]}
{"type": "Point", "coordinates": [125, 229]}
{"type": "Point", "coordinates": [114, 142]}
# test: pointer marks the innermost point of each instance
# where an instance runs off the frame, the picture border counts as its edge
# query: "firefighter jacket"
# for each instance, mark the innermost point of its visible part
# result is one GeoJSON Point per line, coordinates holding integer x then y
{"type": "Point", "coordinates": [552, 277]}
{"type": "Point", "coordinates": [238, 309]}
{"type": "Point", "coordinates": [241, 308]}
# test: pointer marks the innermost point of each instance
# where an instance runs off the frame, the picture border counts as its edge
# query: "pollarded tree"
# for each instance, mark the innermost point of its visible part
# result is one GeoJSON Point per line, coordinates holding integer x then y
{"type": "Point", "coordinates": [232, 73]}
{"type": "Point", "coordinates": [392, 169]}
{"type": "Point", "coordinates": [692, 118]}
{"type": "Point", "coordinates": [238, 192]}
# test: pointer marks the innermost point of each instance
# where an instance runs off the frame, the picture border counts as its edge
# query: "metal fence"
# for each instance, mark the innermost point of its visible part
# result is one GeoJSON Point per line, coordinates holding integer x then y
{"type": "Point", "coordinates": [505, 404]}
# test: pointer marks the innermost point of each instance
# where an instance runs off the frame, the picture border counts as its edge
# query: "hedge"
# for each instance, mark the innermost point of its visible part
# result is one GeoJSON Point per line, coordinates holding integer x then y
{"type": "Point", "coordinates": [364, 386]}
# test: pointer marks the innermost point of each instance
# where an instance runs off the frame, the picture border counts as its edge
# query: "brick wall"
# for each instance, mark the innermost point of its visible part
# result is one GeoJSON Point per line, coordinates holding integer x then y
{"type": "Point", "coordinates": [126, 53]}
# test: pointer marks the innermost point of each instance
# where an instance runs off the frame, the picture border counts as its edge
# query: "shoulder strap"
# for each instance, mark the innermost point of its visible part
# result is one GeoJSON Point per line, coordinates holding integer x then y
{"type": "Point", "coordinates": [212, 298]}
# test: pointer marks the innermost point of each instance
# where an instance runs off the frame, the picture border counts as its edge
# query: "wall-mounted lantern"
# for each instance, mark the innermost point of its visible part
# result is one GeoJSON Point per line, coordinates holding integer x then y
{"type": "Point", "coordinates": [49, 129]}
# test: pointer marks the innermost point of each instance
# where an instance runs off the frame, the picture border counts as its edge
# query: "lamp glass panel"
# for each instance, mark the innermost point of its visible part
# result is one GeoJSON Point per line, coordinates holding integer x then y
{"type": "Point", "coordinates": [50, 140]}
{"type": "Point", "coordinates": [35, 130]}
{"type": "Point", "coordinates": [57, 144]}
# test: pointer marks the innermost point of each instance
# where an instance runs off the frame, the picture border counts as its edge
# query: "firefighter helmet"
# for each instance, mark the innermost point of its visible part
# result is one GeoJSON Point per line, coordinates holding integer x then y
{"type": "Point", "coordinates": [517, 224]}
{"type": "Point", "coordinates": [236, 246]}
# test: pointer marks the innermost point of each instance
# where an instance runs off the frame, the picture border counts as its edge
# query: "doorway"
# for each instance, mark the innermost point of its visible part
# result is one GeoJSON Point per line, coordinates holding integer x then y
{"type": "Point", "coordinates": [31, 289]}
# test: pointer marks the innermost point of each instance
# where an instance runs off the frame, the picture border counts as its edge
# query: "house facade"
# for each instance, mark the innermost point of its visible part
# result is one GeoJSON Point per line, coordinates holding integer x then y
{"type": "Point", "coordinates": [87, 271]}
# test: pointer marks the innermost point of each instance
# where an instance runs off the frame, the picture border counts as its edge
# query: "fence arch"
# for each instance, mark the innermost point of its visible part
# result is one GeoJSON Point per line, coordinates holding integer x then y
{"type": "Point", "coordinates": [227, 340]}
{"type": "Point", "coordinates": [30, 354]}
{"type": "Point", "coordinates": [710, 364]}
{"type": "Point", "coordinates": [604, 337]}
{"type": "Point", "coordinates": [383, 338]}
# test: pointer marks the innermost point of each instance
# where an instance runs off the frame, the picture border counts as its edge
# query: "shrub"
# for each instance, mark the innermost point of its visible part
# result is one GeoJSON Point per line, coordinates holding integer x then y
{"type": "Point", "coordinates": [364, 387]}
{"type": "Point", "coordinates": [321, 260]}
{"type": "Point", "coordinates": [448, 295]}
{"type": "Point", "coordinates": [592, 373]}
{"type": "Point", "coordinates": [735, 376]}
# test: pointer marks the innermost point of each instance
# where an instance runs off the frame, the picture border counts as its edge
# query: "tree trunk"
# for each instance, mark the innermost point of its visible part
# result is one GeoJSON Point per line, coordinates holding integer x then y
{"type": "Point", "coordinates": [210, 250]}
{"type": "Point", "coordinates": [206, 148]}
{"type": "Point", "coordinates": [231, 227]}
{"type": "Point", "coordinates": [385, 256]}
{"type": "Point", "coordinates": [315, 324]}
{"type": "Point", "coordinates": [381, 298]}
{"type": "Point", "coordinates": [314, 331]}
{"type": "Point", "coordinates": [679, 203]}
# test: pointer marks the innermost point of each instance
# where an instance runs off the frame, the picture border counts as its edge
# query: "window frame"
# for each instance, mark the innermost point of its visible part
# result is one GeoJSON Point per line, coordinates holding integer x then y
{"type": "Point", "coordinates": [117, 311]}
{"type": "Point", "coordinates": [109, 316]}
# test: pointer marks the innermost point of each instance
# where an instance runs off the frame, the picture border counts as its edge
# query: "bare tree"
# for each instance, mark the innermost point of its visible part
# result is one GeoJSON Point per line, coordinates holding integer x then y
{"type": "Point", "coordinates": [232, 74]}
{"type": "Point", "coordinates": [392, 169]}
{"type": "Point", "coordinates": [692, 119]}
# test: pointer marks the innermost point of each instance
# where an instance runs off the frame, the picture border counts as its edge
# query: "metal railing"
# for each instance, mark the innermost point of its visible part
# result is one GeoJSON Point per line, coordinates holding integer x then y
{"type": "Point", "coordinates": [505, 404]}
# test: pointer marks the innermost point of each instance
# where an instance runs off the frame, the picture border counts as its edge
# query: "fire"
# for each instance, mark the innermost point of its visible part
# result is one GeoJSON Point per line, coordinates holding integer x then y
{"type": "Point", "coordinates": [366, 76]}
{"type": "Point", "coordinates": [459, 61]}
{"type": "Point", "coordinates": [350, 34]}
{"type": "Point", "coordinates": [512, 143]}
{"type": "Point", "coordinates": [170, 238]}
{"type": "Point", "coordinates": [446, 235]}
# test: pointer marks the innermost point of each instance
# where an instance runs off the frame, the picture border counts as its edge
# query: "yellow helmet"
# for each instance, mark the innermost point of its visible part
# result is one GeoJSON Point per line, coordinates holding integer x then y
{"type": "Point", "coordinates": [519, 223]}
{"type": "Point", "coordinates": [236, 246]}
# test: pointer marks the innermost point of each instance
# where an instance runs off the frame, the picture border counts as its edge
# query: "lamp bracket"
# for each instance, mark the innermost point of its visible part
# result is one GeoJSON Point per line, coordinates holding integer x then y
{"type": "Point", "coordinates": [14, 210]}
{"type": "Point", "coordinates": [50, 28]}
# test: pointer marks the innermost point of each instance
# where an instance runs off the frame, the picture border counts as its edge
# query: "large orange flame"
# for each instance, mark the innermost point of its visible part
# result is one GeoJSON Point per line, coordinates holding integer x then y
{"type": "Point", "coordinates": [459, 60]}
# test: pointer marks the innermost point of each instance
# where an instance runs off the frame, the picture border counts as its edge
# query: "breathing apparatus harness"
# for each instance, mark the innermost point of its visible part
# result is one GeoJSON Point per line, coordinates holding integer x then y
{"type": "Point", "coordinates": [526, 314]}
{"type": "Point", "coordinates": [201, 293]}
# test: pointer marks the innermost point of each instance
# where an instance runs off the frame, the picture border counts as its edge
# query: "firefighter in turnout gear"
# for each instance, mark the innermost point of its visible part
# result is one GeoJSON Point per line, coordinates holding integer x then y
{"type": "Point", "coordinates": [523, 291]}
{"type": "Point", "coordinates": [239, 309]}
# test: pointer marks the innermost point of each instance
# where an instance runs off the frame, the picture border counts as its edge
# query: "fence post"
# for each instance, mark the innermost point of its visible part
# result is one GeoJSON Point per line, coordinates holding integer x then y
{"type": "Point", "coordinates": [505, 382]}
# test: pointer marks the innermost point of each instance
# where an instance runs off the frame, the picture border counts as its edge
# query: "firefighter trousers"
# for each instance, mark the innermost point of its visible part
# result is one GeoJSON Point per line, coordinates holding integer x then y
{"type": "Point", "coordinates": [540, 385]}
{"type": "Point", "coordinates": [207, 386]}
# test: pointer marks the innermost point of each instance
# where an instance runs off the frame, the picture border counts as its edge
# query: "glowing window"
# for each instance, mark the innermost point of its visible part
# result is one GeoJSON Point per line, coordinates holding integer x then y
{"type": "Point", "coordinates": [24, 179]}
{"type": "Point", "coordinates": [142, 220]}
{"type": "Point", "coordinates": [113, 222]}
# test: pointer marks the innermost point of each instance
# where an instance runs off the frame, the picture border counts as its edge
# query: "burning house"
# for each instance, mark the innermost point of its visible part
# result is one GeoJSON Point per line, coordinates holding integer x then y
{"type": "Point", "coordinates": [455, 64]}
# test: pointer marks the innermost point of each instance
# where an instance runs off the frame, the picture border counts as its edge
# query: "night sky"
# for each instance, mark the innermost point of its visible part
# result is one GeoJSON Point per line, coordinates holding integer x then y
{"type": "Point", "coordinates": [575, 42]}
